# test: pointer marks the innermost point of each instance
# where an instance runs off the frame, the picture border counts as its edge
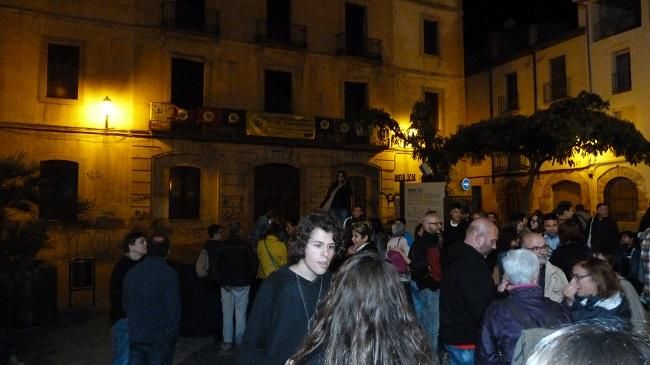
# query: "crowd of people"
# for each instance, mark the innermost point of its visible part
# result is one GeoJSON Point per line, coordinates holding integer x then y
{"type": "Point", "coordinates": [334, 288]}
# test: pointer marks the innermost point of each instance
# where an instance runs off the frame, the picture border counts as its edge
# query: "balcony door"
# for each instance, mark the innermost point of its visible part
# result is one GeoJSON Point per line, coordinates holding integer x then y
{"type": "Point", "coordinates": [277, 186]}
{"type": "Point", "coordinates": [190, 14]}
{"type": "Point", "coordinates": [355, 29]}
{"type": "Point", "coordinates": [278, 20]}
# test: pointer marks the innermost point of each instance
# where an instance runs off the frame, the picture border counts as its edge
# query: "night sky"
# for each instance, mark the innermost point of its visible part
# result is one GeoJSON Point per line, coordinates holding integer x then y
{"type": "Point", "coordinates": [483, 16]}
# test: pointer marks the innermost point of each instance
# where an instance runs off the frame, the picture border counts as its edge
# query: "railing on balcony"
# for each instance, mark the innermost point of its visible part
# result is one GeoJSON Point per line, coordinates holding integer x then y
{"type": "Point", "coordinates": [507, 105]}
{"type": "Point", "coordinates": [557, 90]}
{"type": "Point", "coordinates": [293, 35]}
{"type": "Point", "coordinates": [504, 163]}
{"type": "Point", "coordinates": [231, 125]}
{"type": "Point", "coordinates": [621, 82]}
{"type": "Point", "coordinates": [192, 17]}
{"type": "Point", "coordinates": [364, 47]}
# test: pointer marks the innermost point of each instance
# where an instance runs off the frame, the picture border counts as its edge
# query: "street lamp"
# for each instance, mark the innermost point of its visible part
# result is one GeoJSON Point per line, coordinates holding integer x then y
{"type": "Point", "coordinates": [107, 108]}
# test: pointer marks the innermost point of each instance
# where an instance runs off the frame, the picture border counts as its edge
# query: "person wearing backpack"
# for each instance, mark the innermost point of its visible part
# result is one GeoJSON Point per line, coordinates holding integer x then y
{"type": "Point", "coordinates": [397, 252]}
{"type": "Point", "coordinates": [271, 251]}
{"type": "Point", "coordinates": [525, 308]}
{"type": "Point", "coordinates": [426, 273]}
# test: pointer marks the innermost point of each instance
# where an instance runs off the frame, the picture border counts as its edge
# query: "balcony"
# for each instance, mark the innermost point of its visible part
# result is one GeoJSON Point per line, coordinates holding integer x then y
{"type": "Point", "coordinates": [557, 90]}
{"type": "Point", "coordinates": [508, 163]}
{"type": "Point", "coordinates": [352, 45]}
{"type": "Point", "coordinates": [610, 26]}
{"type": "Point", "coordinates": [292, 35]}
{"type": "Point", "coordinates": [621, 82]}
{"type": "Point", "coordinates": [240, 126]}
{"type": "Point", "coordinates": [190, 17]}
{"type": "Point", "coordinates": [507, 105]}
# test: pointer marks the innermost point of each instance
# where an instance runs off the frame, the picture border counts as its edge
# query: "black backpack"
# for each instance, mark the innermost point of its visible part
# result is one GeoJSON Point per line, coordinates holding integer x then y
{"type": "Point", "coordinates": [213, 256]}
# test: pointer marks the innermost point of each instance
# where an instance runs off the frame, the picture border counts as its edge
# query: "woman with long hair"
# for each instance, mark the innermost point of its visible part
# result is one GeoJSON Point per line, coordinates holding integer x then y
{"type": "Point", "coordinates": [595, 296]}
{"type": "Point", "coordinates": [365, 319]}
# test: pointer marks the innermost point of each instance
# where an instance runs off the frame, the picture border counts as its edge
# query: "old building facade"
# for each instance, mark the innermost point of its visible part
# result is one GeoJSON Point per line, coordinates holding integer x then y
{"type": "Point", "coordinates": [216, 110]}
{"type": "Point", "coordinates": [605, 56]}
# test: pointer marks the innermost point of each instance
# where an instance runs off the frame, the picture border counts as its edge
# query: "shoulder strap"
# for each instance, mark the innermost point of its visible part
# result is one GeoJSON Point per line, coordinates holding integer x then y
{"type": "Point", "coordinates": [275, 263]}
{"type": "Point", "coordinates": [525, 322]}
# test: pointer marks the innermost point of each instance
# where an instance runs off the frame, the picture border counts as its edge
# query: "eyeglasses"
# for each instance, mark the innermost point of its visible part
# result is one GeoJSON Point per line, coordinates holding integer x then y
{"type": "Point", "coordinates": [578, 277]}
{"type": "Point", "coordinates": [537, 249]}
{"type": "Point", "coordinates": [319, 245]}
{"type": "Point", "coordinates": [434, 222]}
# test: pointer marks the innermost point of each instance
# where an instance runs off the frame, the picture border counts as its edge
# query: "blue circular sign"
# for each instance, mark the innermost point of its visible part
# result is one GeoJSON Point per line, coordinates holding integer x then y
{"type": "Point", "coordinates": [466, 184]}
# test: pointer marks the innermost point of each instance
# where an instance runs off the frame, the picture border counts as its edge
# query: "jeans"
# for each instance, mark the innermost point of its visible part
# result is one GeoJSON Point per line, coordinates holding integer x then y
{"type": "Point", "coordinates": [460, 356]}
{"type": "Point", "coordinates": [152, 353]}
{"type": "Point", "coordinates": [415, 297]}
{"type": "Point", "coordinates": [429, 315]}
{"type": "Point", "coordinates": [120, 342]}
{"type": "Point", "coordinates": [234, 300]}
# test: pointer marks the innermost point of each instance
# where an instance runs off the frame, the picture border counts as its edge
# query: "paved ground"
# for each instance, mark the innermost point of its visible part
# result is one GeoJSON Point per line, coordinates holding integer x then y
{"type": "Point", "coordinates": [81, 333]}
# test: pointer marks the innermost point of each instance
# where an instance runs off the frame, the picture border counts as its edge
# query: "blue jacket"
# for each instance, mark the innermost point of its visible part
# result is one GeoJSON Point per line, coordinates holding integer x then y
{"type": "Point", "coordinates": [613, 312]}
{"type": "Point", "coordinates": [501, 328]}
{"type": "Point", "coordinates": [151, 300]}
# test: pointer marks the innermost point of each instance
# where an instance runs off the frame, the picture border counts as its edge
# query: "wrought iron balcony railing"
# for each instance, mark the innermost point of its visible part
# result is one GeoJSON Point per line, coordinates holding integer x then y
{"type": "Point", "coordinates": [352, 45]}
{"type": "Point", "coordinates": [504, 163]}
{"type": "Point", "coordinates": [293, 35]}
{"type": "Point", "coordinates": [557, 90]}
{"type": "Point", "coordinates": [192, 17]}
{"type": "Point", "coordinates": [507, 105]}
{"type": "Point", "coordinates": [621, 82]}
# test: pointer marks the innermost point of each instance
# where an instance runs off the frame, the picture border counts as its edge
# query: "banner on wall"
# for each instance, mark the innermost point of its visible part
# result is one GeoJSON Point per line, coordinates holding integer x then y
{"type": "Point", "coordinates": [420, 198]}
{"type": "Point", "coordinates": [280, 126]}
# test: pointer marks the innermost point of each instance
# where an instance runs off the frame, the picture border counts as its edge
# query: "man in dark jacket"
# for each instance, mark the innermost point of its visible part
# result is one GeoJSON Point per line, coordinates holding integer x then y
{"type": "Point", "coordinates": [525, 307]}
{"type": "Point", "coordinates": [237, 266]}
{"type": "Point", "coordinates": [466, 290]}
{"type": "Point", "coordinates": [151, 300]}
{"type": "Point", "coordinates": [426, 273]}
{"type": "Point", "coordinates": [602, 233]}
{"type": "Point", "coordinates": [134, 246]}
{"type": "Point", "coordinates": [454, 231]}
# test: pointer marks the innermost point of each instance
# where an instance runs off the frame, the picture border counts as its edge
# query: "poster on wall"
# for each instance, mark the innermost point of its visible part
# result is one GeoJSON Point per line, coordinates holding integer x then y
{"type": "Point", "coordinates": [420, 198]}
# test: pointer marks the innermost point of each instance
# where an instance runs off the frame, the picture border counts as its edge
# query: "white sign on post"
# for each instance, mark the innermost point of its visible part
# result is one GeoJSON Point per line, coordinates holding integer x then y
{"type": "Point", "coordinates": [421, 197]}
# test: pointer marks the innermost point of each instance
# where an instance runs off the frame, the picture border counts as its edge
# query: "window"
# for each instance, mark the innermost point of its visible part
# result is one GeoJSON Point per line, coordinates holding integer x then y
{"type": "Point", "coordinates": [58, 190]}
{"type": "Point", "coordinates": [622, 76]}
{"type": "Point", "coordinates": [355, 29]}
{"type": "Point", "coordinates": [190, 14]}
{"type": "Point", "coordinates": [62, 71]}
{"type": "Point", "coordinates": [512, 94]}
{"type": "Point", "coordinates": [184, 192]}
{"type": "Point", "coordinates": [187, 83]}
{"type": "Point", "coordinates": [356, 100]}
{"type": "Point", "coordinates": [277, 92]}
{"type": "Point", "coordinates": [622, 198]}
{"type": "Point", "coordinates": [430, 37]}
{"type": "Point", "coordinates": [278, 17]}
{"type": "Point", "coordinates": [433, 100]}
{"type": "Point", "coordinates": [557, 88]}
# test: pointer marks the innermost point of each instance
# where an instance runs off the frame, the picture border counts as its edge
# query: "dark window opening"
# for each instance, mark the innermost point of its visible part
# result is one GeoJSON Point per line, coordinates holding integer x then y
{"type": "Point", "coordinates": [512, 92]}
{"type": "Point", "coordinates": [622, 77]}
{"type": "Point", "coordinates": [190, 14]}
{"type": "Point", "coordinates": [58, 190]}
{"type": "Point", "coordinates": [277, 92]}
{"type": "Point", "coordinates": [433, 100]}
{"type": "Point", "coordinates": [184, 192]}
{"type": "Point", "coordinates": [278, 17]}
{"type": "Point", "coordinates": [430, 32]}
{"type": "Point", "coordinates": [187, 83]}
{"type": "Point", "coordinates": [558, 78]}
{"type": "Point", "coordinates": [355, 29]}
{"type": "Point", "coordinates": [356, 100]}
{"type": "Point", "coordinates": [62, 71]}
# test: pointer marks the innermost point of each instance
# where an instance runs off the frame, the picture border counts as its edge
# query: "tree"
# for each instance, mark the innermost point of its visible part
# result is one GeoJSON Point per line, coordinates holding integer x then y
{"type": "Point", "coordinates": [576, 125]}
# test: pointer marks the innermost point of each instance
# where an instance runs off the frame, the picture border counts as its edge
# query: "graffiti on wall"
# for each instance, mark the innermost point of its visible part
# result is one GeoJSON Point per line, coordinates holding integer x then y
{"type": "Point", "coordinates": [232, 207]}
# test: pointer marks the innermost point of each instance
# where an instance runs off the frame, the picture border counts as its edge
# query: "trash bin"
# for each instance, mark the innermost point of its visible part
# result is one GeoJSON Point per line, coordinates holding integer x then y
{"type": "Point", "coordinates": [81, 276]}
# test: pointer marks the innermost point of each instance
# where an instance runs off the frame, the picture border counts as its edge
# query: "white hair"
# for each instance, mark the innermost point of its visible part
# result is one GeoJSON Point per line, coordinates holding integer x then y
{"type": "Point", "coordinates": [521, 266]}
{"type": "Point", "coordinates": [398, 229]}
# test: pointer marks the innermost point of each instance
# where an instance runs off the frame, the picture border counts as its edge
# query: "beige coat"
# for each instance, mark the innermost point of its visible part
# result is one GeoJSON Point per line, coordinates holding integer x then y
{"type": "Point", "coordinates": [554, 282]}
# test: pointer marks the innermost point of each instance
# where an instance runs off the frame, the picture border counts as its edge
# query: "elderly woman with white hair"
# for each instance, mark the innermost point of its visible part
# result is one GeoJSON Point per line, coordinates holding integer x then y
{"type": "Point", "coordinates": [525, 307]}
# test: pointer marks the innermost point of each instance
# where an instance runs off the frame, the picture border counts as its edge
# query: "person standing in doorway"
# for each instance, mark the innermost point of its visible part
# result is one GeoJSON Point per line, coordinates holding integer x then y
{"type": "Point", "coordinates": [338, 199]}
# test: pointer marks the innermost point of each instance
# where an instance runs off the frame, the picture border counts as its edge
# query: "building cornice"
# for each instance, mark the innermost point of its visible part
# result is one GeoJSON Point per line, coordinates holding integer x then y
{"type": "Point", "coordinates": [435, 5]}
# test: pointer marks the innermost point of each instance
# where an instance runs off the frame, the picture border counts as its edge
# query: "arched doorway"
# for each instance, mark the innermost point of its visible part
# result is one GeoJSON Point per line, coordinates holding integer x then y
{"type": "Point", "coordinates": [364, 180]}
{"type": "Point", "coordinates": [514, 192]}
{"type": "Point", "coordinates": [277, 186]}
{"type": "Point", "coordinates": [622, 198]}
{"type": "Point", "coordinates": [566, 190]}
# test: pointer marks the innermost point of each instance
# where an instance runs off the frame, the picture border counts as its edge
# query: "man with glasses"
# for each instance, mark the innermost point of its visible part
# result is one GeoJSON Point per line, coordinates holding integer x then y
{"type": "Point", "coordinates": [426, 273]}
{"type": "Point", "coordinates": [551, 278]}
